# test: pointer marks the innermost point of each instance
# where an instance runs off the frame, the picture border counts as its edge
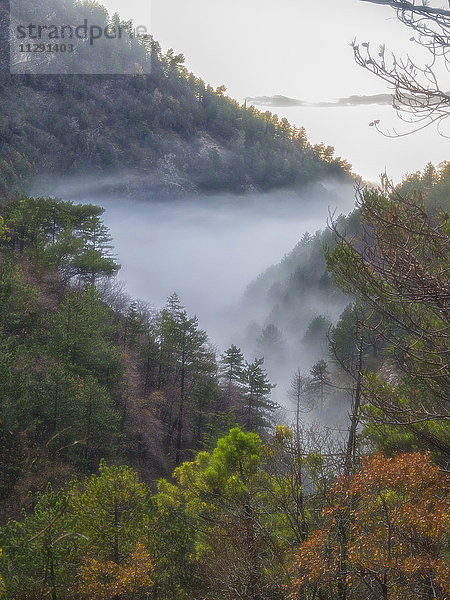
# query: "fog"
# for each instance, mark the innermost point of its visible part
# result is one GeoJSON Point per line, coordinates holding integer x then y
{"type": "Point", "coordinates": [210, 248]}
{"type": "Point", "coordinates": [207, 248]}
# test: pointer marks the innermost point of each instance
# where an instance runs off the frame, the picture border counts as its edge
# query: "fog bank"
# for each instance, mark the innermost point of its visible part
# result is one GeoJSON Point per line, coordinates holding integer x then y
{"type": "Point", "coordinates": [208, 248]}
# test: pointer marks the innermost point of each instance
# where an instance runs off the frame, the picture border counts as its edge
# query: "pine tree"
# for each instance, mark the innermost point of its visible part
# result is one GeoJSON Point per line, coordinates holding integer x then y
{"type": "Point", "coordinates": [231, 370]}
{"type": "Point", "coordinates": [271, 345]}
{"type": "Point", "coordinates": [258, 407]}
{"type": "Point", "coordinates": [320, 381]}
{"type": "Point", "coordinates": [95, 259]}
{"type": "Point", "coordinates": [186, 364]}
{"type": "Point", "coordinates": [315, 338]}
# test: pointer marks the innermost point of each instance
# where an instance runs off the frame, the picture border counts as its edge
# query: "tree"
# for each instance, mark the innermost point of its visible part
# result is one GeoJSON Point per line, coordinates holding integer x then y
{"type": "Point", "coordinates": [173, 546]}
{"type": "Point", "coordinates": [95, 259]}
{"type": "Point", "coordinates": [315, 338]}
{"type": "Point", "coordinates": [133, 326]}
{"type": "Point", "coordinates": [220, 496]}
{"type": "Point", "coordinates": [419, 93]}
{"type": "Point", "coordinates": [40, 552]}
{"type": "Point", "coordinates": [258, 407]}
{"type": "Point", "coordinates": [271, 345]}
{"type": "Point", "coordinates": [106, 580]}
{"type": "Point", "coordinates": [286, 468]}
{"type": "Point", "coordinates": [70, 238]}
{"type": "Point", "coordinates": [319, 381]}
{"type": "Point", "coordinates": [90, 540]}
{"type": "Point", "coordinates": [186, 362]}
{"type": "Point", "coordinates": [112, 512]}
{"type": "Point", "coordinates": [344, 338]}
{"type": "Point", "coordinates": [298, 393]}
{"type": "Point", "coordinates": [399, 268]}
{"type": "Point", "coordinates": [232, 369]}
{"type": "Point", "coordinates": [432, 185]}
{"type": "Point", "coordinates": [399, 517]}
{"type": "Point", "coordinates": [81, 332]}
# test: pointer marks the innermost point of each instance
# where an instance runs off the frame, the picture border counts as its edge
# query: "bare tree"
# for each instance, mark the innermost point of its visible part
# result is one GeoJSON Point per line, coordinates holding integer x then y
{"type": "Point", "coordinates": [420, 97]}
{"type": "Point", "coordinates": [298, 393]}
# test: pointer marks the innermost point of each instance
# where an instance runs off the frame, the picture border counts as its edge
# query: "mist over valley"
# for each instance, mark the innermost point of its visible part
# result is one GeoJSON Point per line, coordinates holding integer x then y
{"type": "Point", "coordinates": [219, 253]}
{"type": "Point", "coordinates": [209, 248]}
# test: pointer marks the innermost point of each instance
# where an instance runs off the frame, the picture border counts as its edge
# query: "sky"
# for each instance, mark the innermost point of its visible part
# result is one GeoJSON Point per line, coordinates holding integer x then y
{"type": "Point", "coordinates": [299, 49]}
{"type": "Point", "coordinates": [262, 47]}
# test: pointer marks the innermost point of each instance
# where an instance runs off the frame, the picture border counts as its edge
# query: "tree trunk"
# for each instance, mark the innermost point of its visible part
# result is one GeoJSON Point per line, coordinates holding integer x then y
{"type": "Point", "coordinates": [254, 592]}
{"type": "Point", "coordinates": [116, 534]}
{"type": "Point", "coordinates": [181, 409]}
{"type": "Point", "coordinates": [349, 467]}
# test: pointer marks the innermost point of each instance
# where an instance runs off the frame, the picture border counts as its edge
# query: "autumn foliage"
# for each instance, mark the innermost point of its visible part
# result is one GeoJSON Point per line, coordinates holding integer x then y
{"type": "Point", "coordinates": [396, 512]}
{"type": "Point", "coordinates": [107, 580]}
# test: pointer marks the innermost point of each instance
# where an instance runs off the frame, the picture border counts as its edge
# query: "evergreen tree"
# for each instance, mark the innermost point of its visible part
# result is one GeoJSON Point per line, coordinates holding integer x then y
{"type": "Point", "coordinates": [319, 381]}
{"type": "Point", "coordinates": [399, 270]}
{"type": "Point", "coordinates": [133, 326]}
{"type": "Point", "coordinates": [231, 370]}
{"type": "Point", "coordinates": [95, 259]}
{"type": "Point", "coordinates": [40, 551]}
{"type": "Point", "coordinates": [221, 497]}
{"type": "Point", "coordinates": [112, 512]}
{"type": "Point", "coordinates": [258, 407]}
{"type": "Point", "coordinates": [184, 360]}
{"type": "Point", "coordinates": [315, 338]}
{"type": "Point", "coordinates": [270, 344]}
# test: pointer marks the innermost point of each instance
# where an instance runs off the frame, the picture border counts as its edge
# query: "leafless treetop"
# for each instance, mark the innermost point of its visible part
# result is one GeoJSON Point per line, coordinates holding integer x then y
{"type": "Point", "coordinates": [421, 92]}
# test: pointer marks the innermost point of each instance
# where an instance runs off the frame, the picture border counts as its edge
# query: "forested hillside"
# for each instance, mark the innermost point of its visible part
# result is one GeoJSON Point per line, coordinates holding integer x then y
{"type": "Point", "coordinates": [167, 131]}
{"type": "Point", "coordinates": [86, 375]}
{"type": "Point", "coordinates": [101, 397]}
{"type": "Point", "coordinates": [293, 304]}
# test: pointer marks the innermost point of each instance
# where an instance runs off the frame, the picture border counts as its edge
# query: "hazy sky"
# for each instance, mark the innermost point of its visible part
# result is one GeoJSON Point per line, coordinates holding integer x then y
{"type": "Point", "coordinates": [293, 47]}
{"type": "Point", "coordinates": [296, 48]}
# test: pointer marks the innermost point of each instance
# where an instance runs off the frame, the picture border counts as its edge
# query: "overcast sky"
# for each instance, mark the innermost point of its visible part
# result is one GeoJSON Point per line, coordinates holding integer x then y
{"type": "Point", "coordinates": [295, 48]}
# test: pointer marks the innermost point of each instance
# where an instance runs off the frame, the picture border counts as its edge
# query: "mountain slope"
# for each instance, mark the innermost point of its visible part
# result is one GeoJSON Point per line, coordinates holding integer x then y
{"type": "Point", "coordinates": [167, 130]}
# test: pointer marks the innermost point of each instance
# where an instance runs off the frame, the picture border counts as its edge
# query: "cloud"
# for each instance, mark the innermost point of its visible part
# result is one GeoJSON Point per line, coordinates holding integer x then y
{"type": "Point", "coordinates": [278, 101]}
{"type": "Point", "coordinates": [358, 100]}
{"type": "Point", "coordinates": [275, 101]}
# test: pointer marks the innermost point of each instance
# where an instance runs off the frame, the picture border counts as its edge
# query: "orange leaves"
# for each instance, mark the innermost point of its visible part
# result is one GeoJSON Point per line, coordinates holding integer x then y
{"type": "Point", "coordinates": [414, 472]}
{"type": "Point", "coordinates": [435, 567]}
{"type": "Point", "coordinates": [106, 580]}
{"type": "Point", "coordinates": [406, 494]}
{"type": "Point", "coordinates": [309, 564]}
{"type": "Point", "coordinates": [395, 515]}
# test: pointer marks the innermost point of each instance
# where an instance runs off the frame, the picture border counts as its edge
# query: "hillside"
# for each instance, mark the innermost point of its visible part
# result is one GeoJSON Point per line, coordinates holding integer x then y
{"type": "Point", "coordinates": [290, 296]}
{"type": "Point", "coordinates": [309, 459]}
{"type": "Point", "coordinates": [166, 131]}
{"type": "Point", "coordinates": [298, 296]}
{"type": "Point", "coordinates": [88, 374]}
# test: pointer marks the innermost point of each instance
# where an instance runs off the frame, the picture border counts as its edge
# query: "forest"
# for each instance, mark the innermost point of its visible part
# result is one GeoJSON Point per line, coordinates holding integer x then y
{"type": "Point", "coordinates": [137, 460]}
{"type": "Point", "coordinates": [138, 463]}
